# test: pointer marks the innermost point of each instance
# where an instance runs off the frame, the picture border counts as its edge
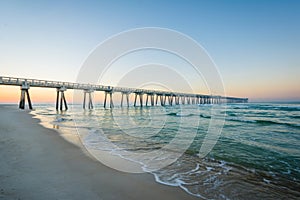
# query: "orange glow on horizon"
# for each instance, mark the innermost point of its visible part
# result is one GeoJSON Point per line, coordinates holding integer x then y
{"type": "Point", "coordinates": [11, 94]}
{"type": "Point", "coordinates": [269, 89]}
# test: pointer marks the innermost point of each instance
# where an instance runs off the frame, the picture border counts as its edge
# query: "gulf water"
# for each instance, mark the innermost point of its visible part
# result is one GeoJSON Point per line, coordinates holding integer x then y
{"type": "Point", "coordinates": [255, 156]}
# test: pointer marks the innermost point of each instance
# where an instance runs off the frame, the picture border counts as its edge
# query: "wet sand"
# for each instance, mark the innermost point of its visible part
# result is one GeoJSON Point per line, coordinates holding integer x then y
{"type": "Point", "coordinates": [36, 163]}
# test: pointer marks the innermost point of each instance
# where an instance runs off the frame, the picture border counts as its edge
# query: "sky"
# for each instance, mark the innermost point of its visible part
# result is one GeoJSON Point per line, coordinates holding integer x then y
{"type": "Point", "coordinates": [254, 44]}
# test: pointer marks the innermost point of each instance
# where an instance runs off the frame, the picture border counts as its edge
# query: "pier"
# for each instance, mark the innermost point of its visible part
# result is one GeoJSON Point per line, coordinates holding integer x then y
{"type": "Point", "coordinates": [165, 98]}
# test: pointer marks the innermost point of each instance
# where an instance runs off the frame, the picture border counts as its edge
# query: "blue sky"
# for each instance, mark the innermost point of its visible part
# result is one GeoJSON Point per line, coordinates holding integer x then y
{"type": "Point", "coordinates": [255, 44]}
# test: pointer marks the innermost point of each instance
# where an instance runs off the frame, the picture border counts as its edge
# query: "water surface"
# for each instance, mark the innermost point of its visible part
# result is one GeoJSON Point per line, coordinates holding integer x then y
{"type": "Point", "coordinates": [257, 155]}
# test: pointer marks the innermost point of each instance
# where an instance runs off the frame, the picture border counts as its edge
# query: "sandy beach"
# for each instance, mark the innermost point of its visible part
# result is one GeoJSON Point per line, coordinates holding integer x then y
{"type": "Point", "coordinates": [36, 163]}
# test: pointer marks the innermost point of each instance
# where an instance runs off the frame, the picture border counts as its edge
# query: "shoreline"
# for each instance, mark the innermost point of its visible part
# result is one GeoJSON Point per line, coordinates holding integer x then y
{"type": "Point", "coordinates": [37, 163]}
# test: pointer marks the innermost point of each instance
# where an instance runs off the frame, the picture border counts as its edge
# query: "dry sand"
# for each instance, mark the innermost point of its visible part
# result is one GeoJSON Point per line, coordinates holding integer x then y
{"type": "Point", "coordinates": [36, 163]}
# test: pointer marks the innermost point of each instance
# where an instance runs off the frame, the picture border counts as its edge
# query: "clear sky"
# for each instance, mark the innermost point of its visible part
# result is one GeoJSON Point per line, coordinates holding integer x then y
{"type": "Point", "coordinates": [255, 44]}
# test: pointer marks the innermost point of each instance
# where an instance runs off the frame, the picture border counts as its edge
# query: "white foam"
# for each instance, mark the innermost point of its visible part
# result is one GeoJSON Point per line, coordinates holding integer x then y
{"type": "Point", "coordinates": [267, 181]}
{"type": "Point", "coordinates": [209, 169]}
{"type": "Point", "coordinates": [178, 183]}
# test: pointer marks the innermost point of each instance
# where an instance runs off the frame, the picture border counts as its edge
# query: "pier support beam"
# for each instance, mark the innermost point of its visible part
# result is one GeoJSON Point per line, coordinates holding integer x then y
{"type": "Point", "coordinates": [111, 105]}
{"type": "Point", "coordinates": [127, 98]}
{"type": "Point", "coordinates": [193, 100]}
{"type": "Point", "coordinates": [151, 96]}
{"type": "Point", "coordinates": [24, 92]}
{"type": "Point", "coordinates": [177, 100]}
{"type": "Point", "coordinates": [147, 97]}
{"type": "Point", "coordinates": [62, 98]}
{"type": "Point", "coordinates": [182, 100]}
{"type": "Point", "coordinates": [90, 102]}
{"type": "Point", "coordinates": [141, 99]}
{"type": "Point", "coordinates": [152, 99]}
{"type": "Point", "coordinates": [188, 100]}
{"type": "Point", "coordinates": [170, 100]}
{"type": "Point", "coordinates": [156, 99]}
{"type": "Point", "coordinates": [162, 100]}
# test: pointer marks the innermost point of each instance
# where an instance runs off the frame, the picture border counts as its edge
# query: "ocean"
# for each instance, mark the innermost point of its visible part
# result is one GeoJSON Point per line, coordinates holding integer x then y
{"type": "Point", "coordinates": [255, 156]}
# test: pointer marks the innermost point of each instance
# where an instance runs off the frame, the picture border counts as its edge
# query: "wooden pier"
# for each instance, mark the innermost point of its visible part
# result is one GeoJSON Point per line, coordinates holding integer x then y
{"type": "Point", "coordinates": [164, 97]}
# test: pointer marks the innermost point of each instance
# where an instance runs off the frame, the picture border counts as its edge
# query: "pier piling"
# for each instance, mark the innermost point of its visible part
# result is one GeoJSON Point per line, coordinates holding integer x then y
{"type": "Point", "coordinates": [140, 95]}
{"type": "Point", "coordinates": [151, 97]}
{"type": "Point", "coordinates": [127, 98]}
{"type": "Point", "coordinates": [24, 94]}
{"type": "Point", "coordinates": [61, 90]}
{"type": "Point", "coordinates": [90, 101]}
{"type": "Point", "coordinates": [111, 104]}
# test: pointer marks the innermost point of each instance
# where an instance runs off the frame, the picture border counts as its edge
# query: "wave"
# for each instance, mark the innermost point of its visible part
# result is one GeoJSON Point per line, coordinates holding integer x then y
{"type": "Point", "coordinates": [267, 122]}
{"type": "Point", "coordinates": [179, 115]}
{"type": "Point", "coordinates": [205, 116]}
{"type": "Point", "coordinates": [293, 108]}
{"type": "Point", "coordinates": [189, 115]}
{"type": "Point", "coordinates": [278, 108]}
{"type": "Point", "coordinates": [240, 120]}
{"type": "Point", "coordinates": [240, 107]}
{"type": "Point", "coordinates": [209, 171]}
{"type": "Point", "coordinates": [172, 114]}
{"type": "Point", "coordinates": [295, 117]}
{"type": "Point", "coordinates": [229, 113]}
{"type": "Point", "coordinates": [263, 122]}
{"type": "Point", "coordinates": [61, 119]}
{"type": "Point", "coordinates": [46, 113]}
